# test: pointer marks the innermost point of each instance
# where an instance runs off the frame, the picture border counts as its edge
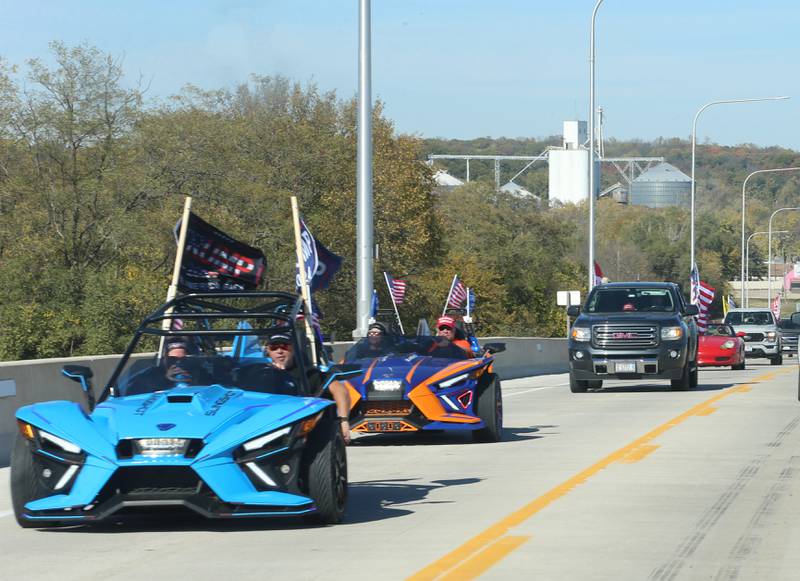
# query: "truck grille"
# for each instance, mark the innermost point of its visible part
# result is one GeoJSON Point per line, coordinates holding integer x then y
{"type": "Point", "coordinates": [790, 341]}
{"type": "Point", "coordinates": [624, 336]}
{"type": "Point", "coordinates": [754, 337]}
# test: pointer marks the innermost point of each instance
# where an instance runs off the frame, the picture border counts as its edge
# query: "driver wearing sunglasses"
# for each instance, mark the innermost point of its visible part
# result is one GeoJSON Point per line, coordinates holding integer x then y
{"type": "Point", "coordinates": [280, 349]}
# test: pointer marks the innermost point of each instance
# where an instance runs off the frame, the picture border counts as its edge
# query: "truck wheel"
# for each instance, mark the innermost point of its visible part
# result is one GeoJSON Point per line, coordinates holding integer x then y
{"type": "Point", "coordinates": [577, 385]}
{"type": "Point", "coordinates": [685, 381]}
{"type": "Point", "coordinates": [777, 360]}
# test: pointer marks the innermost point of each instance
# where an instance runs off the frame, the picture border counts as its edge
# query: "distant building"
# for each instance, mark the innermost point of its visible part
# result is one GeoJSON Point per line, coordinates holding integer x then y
{"type": "Point", "coordinates": [569, 166]}
{"type": "Point", "coordinates": [661, 186]}
{"type": "Point", "coordinates": [517, 190]}
{"type": "Point", "coordinates": [444, 179]}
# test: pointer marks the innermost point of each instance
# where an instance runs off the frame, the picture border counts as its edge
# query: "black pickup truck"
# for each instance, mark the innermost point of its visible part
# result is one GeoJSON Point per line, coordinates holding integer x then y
{"type": "Point", "coordinates": [633, 330]}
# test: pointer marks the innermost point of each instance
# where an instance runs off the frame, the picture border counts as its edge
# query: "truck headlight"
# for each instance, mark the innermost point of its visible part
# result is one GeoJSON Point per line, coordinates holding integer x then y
{"type": "Point", "coordinates": [771, 335]}
{"type": "Point", "coordinates": [581, 334]}
{"type": "Point", "coordinates": [727, 345]}
{"type": "Point", "coordinates": [671, 333]}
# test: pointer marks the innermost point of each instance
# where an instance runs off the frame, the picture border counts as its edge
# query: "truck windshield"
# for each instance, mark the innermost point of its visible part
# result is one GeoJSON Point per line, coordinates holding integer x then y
{"type": "Point", "coordinates": [618, 300]}
{"type": "Point", "coordinates": [749, 318]}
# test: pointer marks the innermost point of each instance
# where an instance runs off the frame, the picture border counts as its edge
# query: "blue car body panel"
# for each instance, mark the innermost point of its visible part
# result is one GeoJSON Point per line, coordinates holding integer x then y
{"type": "Point", "coordinates": [221, 419]}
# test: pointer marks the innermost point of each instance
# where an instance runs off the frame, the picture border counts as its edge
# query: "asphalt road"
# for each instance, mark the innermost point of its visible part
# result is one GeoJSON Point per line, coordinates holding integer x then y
{"type": "Point", "coordinates": [631, 482]}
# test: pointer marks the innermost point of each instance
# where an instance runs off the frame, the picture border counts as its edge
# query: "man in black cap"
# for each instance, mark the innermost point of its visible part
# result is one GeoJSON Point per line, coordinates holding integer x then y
{"type": "Point", "coordinates": [281, 350]}
{"type": "Point", "coordinates": [377, 343]}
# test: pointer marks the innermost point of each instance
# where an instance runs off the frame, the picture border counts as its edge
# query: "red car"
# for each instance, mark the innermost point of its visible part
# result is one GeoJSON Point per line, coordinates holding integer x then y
{"type": "Point", "coordinates": [721, 346]}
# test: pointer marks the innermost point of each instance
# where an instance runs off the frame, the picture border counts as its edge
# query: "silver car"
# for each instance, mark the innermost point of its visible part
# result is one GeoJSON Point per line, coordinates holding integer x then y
{"type": "Point", "coordinates": [762, 337]}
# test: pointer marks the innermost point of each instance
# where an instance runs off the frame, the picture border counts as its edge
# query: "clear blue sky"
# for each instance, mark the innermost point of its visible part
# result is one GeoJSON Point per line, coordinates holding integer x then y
{"type": "Point", "coordinates": [463, 68]}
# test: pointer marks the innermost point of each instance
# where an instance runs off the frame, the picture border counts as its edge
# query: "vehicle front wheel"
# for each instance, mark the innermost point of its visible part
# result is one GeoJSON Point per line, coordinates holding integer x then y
{"type": "Point", "coordinates": [326, 472]}
{"type": "Point", "coordinates": [489, 408]}
{"type": "Point", "coordinates": [685, 380]}
{"type": "Point", "coordinates": [739, 366]}
{"type": "Point", "coordinates": [25, 485]}
{"type": "Point", "coordinates": [577, 385]}
{"type": "Point", "coordinates": [777, 360]}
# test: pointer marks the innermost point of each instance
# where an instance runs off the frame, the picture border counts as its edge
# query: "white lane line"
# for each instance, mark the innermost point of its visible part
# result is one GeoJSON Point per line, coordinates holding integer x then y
{"type": "Point", "coordinates": [6, 513]}
{"type": "Point", "coordinates": [535, 389]}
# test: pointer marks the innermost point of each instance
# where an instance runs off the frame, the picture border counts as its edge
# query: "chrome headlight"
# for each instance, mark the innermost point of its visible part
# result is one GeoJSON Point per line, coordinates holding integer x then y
{"type": "Point", "coordinates": [727, 345]}
{"type": "Point", "coordinates": [581, 334]}
{"type": "Point", "coordinates": [60, 442]}
{"type": "Point", "coordinates": [262, 441]}
{"type": "Point", "coordinates": [671, 333]}
{"type": "Point", "coordinates": [771, 335]}
{"type": "Point", "coordinates": [453, 380]}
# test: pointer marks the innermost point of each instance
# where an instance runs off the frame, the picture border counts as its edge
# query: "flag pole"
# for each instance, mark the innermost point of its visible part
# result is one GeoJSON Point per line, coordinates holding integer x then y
{"type": "Point", "coordinates": [450, 292]}
{"type": "Point", "coordinates": [394, 304]}
{"type": "Point", "coordinates": [305, 291]}
{"type": "Point", "coordinates": [172, 290]}
{"type": "Point", "coordinates": [468, 313]}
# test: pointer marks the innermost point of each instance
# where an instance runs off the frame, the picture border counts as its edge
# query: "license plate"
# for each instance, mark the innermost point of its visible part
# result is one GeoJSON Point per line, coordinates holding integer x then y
{"type": "Point", "coordinates": [389, 426]}
{"type": "Point", "coordinates": [625, 367]}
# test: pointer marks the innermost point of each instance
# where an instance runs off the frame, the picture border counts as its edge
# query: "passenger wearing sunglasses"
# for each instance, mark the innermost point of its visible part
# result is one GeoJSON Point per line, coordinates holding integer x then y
{"type": "Point", "coordinates": [281, 351]}
{"type": "Point", "coordinates": [445, 344]}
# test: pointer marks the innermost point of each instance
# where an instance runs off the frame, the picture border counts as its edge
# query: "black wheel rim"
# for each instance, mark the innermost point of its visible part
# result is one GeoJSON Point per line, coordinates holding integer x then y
{"type": "Point", "coordinates": [340, 476]}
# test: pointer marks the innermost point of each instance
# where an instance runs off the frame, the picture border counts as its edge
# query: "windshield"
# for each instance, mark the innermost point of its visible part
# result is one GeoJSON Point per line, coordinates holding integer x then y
{"type": "Point", "coordinates": [378, 346]}
{"type": "Point", "coordinates": [617, 300]}
{"type": "Point", "coordinates": [749, 318]}
{"type": "Point", "coordinates": [720, 331]}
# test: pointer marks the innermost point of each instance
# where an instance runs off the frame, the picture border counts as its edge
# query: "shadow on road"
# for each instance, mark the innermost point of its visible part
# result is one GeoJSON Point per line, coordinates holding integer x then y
{"type": "Point", "coordinates": [381, 499]}
{"type": "Point", "coordinates": [660, 387]}
{"type": "Point", "coordinates": [443, 437]}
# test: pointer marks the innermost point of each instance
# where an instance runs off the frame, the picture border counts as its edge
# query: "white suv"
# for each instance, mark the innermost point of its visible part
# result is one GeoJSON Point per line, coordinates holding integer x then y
{"type": "Point", "coordinates": [762, 338]}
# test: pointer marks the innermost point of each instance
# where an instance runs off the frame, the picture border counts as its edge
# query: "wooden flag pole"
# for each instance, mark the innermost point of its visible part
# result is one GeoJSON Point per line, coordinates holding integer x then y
{"type": "Point", "coordinates": [449, 293]}
{"type": "Point", "coordinates": [394, 304]}
{"type": "Point", "coordinates": [304, 289]}
{"type": "Point", "coordinates": [172, 290]}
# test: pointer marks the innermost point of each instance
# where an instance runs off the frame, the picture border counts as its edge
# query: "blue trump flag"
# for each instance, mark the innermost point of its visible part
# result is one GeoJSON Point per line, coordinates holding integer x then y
{"type": "Point", "coordinates": [373, 311]}
{"type": "Point", "coordinates": [319, 263]}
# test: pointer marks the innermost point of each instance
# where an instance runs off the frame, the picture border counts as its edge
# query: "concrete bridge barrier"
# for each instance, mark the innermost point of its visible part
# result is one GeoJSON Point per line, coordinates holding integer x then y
{"type": "Point", "coordinates": [26, 382]}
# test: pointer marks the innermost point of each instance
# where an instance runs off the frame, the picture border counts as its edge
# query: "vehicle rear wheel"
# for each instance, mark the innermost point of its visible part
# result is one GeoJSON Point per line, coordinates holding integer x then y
{"type": "Point", "coordinates": [685, 380]}
{"type": "Point", "coordinates": [489, 408]}
{"type": "Point", "coordinates": [777, 360]}
{"type": "Point", "coordinates": [25, 485]}
{"type": "Point", "coordinates": [326, 472]}
{"type": "Point", "coordinates": [577, 385]}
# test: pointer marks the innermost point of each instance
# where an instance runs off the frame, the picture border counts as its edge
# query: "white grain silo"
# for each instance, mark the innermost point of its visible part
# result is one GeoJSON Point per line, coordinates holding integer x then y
{"type": "Point", "coordinates": [569, 166]}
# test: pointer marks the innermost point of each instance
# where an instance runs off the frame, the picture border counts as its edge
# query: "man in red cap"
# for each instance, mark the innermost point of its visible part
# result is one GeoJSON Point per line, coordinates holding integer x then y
{"type": "Point", "coordinates": [446, 345]}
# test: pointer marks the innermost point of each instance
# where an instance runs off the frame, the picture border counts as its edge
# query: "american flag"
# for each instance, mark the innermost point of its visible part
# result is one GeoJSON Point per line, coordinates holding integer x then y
{"type": "Point", "coordinates": [702, 296]}
{"type": "Point", "coordinates": [776, 307]}
{"type": "Point", "coordinates": [598, 274]}
{"type": "Point", "coordinates": [397, 288]}
{"type": "Point", "coordinates": [458, 294]}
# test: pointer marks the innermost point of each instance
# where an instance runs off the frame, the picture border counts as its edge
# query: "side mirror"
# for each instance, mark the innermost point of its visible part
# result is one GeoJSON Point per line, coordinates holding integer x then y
{"type": "Point", "coordinates": [492, 348]}
{"type": "Point", "coordinates": [573, 310]}
{"type": "Point", "coordinates": [691, 310]}
{"type": "Point", "coordinates": [83, 375]}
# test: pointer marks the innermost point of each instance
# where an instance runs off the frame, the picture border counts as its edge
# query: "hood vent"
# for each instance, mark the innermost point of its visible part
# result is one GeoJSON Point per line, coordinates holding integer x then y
{"type": "Point", "coordinates": [180, 398]}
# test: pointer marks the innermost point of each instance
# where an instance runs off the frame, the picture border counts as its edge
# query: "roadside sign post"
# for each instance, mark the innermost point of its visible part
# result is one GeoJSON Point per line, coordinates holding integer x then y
{"type": "Point", "coordinates": [566, 299]}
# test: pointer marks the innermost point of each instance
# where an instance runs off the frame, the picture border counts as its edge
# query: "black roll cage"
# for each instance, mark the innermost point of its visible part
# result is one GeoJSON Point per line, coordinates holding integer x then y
{"type": "Point", "coordinates": [205, 306]}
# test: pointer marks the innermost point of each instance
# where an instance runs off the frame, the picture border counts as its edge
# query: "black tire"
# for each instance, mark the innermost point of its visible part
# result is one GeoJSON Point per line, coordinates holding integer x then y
{"type": "Point", "coordinates": [577, 385]}
{"type": "Point", "coordinates": [325, 471]}
{"type": "Point", "coordinates": [489, 408]}
{"type": "Point", "coordinates": [694, 376]}
{"type": "Point", "coordinates": [777, 360]}
{"type": "Point", "coordinates": [685, 380]}
{"type": "Point", "coordinates": [740, 367]}
{"type": "Point", "coordinates": [595, 383]}
{"type": "Point", "coordinates": [25, 485]}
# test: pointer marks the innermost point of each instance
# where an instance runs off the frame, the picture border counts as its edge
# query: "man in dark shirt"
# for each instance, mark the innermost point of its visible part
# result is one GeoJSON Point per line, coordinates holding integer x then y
{"type": "Point", "coordinates": [280, 349]}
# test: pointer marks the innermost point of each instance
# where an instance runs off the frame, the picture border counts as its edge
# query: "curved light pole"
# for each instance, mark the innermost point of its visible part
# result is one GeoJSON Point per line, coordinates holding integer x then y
{"type": "Point", "coordinates": [591, 147]}
{"type": "Point", "coordinates": [694, 147]}
{"type": "Point", "coordinates": [769, 252]}
{"type": "Point", "coordinates": [744, 186]}
{"type": "Point", "coordinates": [746, 296]}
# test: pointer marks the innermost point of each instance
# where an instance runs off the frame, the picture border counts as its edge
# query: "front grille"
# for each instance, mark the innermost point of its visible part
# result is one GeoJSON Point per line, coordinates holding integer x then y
{"type": "Point", "coordinates": [754, 337]}
{"type": "Point", "coordinates": [387, 408]}
{"type": "Point", "coordinates": [624, 336]}
{"type": "Point", "coordinates": [156, 480]}
{"type": "Point", "coordinates": [790, 340]}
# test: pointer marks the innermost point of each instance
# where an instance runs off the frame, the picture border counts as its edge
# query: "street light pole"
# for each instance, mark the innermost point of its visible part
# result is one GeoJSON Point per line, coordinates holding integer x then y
{"type": "Point", "coordinates": [591, 147]}
{"type": "Point", "coordinates": [746, 295]}
{"type": "Point", "coordinates": [364, 221]}
{"type": "Point", "coordinates": [769, 252]}
{"type": "Point", "coordinates": [694, 147]}
{"type": "Point", "coordinates": [744, 186]}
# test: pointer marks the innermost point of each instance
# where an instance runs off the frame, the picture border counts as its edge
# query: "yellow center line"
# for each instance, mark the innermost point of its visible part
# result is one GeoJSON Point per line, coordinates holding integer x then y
{"type": "Point", "coordinates": [489, 545]}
